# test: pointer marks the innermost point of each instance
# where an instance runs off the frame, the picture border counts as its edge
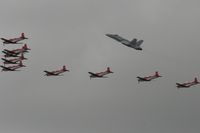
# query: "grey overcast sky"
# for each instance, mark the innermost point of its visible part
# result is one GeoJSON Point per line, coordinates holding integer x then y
{"type": "Point", "coordinates": [72, 32]}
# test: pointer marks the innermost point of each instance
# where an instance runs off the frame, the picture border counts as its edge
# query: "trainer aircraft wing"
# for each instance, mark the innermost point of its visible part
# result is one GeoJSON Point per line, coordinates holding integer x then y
{"type": "Point", "coordinates": [50, 73]}
{"type": "Point", "coordinates": [9, 51]}
{"type": "Point", "coordinates": [9, 61]}
{"type": "Point", "coordinates": [94, 74]}
{"type": "Point", "coordinates": [11, 41]}
{"type": "Point", "coordinates": [182, 85]}
{"type": "Point", "coordinates": [7, 54]}
{"type": "Point", "coordinates": [7, 68]}
{"type": "Point", "coordinates": [143, 79]}
{"type": "Point", "coordinates": [6, 40]}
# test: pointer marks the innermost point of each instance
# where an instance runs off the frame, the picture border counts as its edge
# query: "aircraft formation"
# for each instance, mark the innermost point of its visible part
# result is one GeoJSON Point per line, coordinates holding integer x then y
{"type": "Point", "coordinates": [13, 60]}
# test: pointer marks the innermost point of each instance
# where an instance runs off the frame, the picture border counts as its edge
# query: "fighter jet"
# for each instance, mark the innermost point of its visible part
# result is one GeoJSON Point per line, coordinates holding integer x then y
{"type": "Point", "coordinates": [57, 72]}
{"type": "Point", "coordinates": [187, 84]}
{"type": "Point", "coordinates": [12, 68]}
{"type": "Point", "coordinates": [14, 40]}
{"type": "Point", "coordinates": [148, 78]}
{"type": "Point", "coordinates": [14, 60]}
{"type": "Point", "coordinates": [100, 74]}
{"type": "Point", "coordinates": [133, 44]}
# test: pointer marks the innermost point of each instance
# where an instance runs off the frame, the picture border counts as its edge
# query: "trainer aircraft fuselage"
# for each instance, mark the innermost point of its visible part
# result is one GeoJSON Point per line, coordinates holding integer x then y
{"type": "Point", "coordinates": [56, 72]}
{"type": "Point", "coordinates": [148, 78]}
{"type": "Point", "coordinates": [14, 40]}
{"type": "Point", "coordinates": [100, 74]}
{"type": "Point", "coordinates": [187, 84]}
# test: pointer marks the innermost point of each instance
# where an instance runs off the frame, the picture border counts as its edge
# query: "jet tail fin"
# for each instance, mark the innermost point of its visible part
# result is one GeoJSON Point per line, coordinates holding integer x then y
{"type": "Point", "coordinates": [134, 41]}
{"type": "Point", "coordinates": [139, 42]}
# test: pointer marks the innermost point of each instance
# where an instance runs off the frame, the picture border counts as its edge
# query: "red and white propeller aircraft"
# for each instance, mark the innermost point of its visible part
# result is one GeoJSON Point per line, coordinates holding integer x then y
{"type": "Point", "coordinates": [187, 84]}
{"type": "Point", "coordinates": [149, 78]}
{"type": "Point", "coordinates": [100, 74]}
{"type": "Point", "coordinates": [14, 40]}
{"type": "Point", "coordinates": [17, 51]}
{"type": "Point", "coordinates": [12, 68]}
{"type": "Point", "coordinates": [57, 72]}
{"type": "Point", "coordinates": [14, 60]}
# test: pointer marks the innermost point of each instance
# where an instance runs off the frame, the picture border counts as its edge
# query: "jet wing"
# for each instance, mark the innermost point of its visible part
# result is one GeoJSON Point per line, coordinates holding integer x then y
{"type": "Point", "coordinates": [116, 37]}
{"type": "Point", "coordinates": [119, 38]}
